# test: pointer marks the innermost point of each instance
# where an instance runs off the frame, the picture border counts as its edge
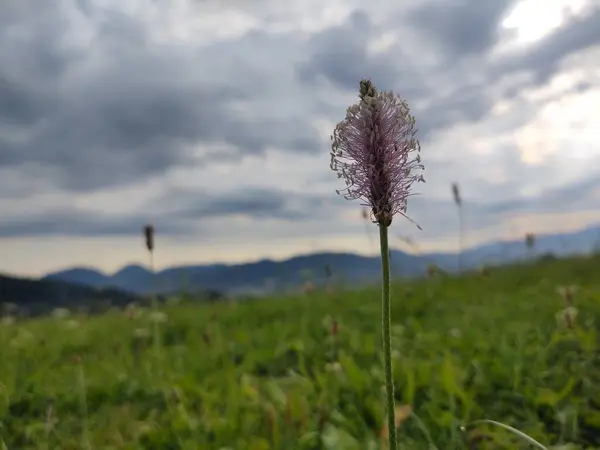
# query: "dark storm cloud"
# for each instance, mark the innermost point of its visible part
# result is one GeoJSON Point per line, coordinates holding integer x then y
{"type": "Point", "coordinates": [460, 27]}
{"type": "Point", "coordinates": [251, 203]}
{"type": "Point", "coordinates": [466, 28]}
{"type": "Point", "coordinates": [463, 33]}
{"type": "Point", "coordinates": [177, 212]}
{"type": "Point", "coordinates": [18, 104]}
{"type": "Point", "coordinates": [340, 55]}
{"type": "Point", "coordinates": [125, 107]}
{"type": "Point", "coordinates": [467, 103]}
{"type": "Point", "coordinates": [137, 113]}
{"type": "Point", "coordinates": [469, 28]}
{"type": "Point", "coordinates": [141, 109]}
{"type": "Point", "coordinates": [71, 222]}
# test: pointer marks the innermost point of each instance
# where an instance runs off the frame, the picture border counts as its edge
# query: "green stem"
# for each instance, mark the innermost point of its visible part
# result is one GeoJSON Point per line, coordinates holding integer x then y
{"type": "Point", "coordinates": [84, 408]}
{"type": "Point", "coordinates": [387, 335]}
{"type": "Point", "coordinates": [460, 239]}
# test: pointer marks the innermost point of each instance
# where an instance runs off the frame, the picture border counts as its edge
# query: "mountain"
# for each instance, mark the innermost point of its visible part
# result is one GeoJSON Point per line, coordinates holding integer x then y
{"type": "Point", "coordinates": [561, 244]}
{"type": "Point", "coordinates": [269, 275]}
{"type": "Point", "coordinates": [82, 275]}
{"type": "Point", "coordinates": [131, 276]}
{"type": "Point", "coordinates": [42, 296]}
{"type": "Point", "coordinates": [255, 276]}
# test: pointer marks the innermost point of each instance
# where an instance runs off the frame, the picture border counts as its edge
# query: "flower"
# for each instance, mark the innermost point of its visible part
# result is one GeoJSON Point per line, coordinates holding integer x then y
{"type": "Point", "coordinates": [375, 150]}
{"type": "Point", "coordinates": [149, 235]}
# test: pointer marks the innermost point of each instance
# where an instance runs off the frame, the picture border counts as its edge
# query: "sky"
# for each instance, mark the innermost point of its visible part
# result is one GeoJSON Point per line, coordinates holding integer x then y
{"type": "Point", "coordinates": [211, 119]}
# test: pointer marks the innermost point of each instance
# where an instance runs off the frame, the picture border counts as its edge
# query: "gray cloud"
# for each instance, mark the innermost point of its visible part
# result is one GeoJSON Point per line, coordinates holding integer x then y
{"type": "Point", "coordinates": [340, 55]}
{"type": "Point", "coordinates": [467, 103]}
{"type": "Point", "coordinates": [438, 217]}
{"type": "Point", "coordinates": [460, 28]}
{"type": "Point", "coordinates": [139, 111]}
{"type": "Point", "coordinates": [544, 57]}
{"type": "Point", "coordinates": [442, 90]}
{"type": "Point", "coordinates": [250, 203]}
{"type": "Point", "coordinates": [578, 196]}
{"type": "Point", "coordinates": [124, 107]}
{"type": "Point", "coordinates": [470, 28]}
{"type": "Point", "coordinates": [76, 223]}
{"type": "Point", "coordinates": [177, 212]}
{"type": "Point", "coordinates": [467, 31]}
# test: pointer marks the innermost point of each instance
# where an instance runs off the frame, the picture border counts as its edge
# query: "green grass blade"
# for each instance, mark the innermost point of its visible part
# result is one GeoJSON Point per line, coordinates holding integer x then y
{"type": "Point", "coordinates": [508, 428]}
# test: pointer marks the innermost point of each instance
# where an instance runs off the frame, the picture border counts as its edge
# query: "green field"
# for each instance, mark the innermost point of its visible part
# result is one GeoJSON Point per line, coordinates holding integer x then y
{"type": "Point", "coordinates": [269, 374]}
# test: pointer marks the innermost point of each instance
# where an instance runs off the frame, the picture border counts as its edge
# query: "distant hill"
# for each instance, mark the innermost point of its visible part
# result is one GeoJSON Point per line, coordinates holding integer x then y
{"type": "Point", "coordinates": [255, 276]}
{"type": "Point", "coordinates": [42, 296]}
{"type": "Point", "coordinates": [268, 275]}
{"type": "Point", "coordinates": [82, 275]}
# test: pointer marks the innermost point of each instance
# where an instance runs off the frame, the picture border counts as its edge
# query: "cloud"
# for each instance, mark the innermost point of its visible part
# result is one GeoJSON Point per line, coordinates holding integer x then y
{"type": "Point", "coordinates": [78, 224]}
{"type": "Point", "coordinates": [543, 58]}
{"type": "Point", "coordinates": [213, 121]}
{"type": "Point", "coordinates": [578, 196]}
{"type": "Point", "coordinates": [460, 28]}
{"type": "Point", "coordinates": [251, 203]}
{"type": "Point", "coordinates": [341, 55]}
{"type": "Point", "coordinates": [126, 107]}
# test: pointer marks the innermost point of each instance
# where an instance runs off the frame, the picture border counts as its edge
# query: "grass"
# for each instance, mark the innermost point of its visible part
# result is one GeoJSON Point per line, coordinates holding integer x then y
{"type": "Point", "coordinates": [270, 374]}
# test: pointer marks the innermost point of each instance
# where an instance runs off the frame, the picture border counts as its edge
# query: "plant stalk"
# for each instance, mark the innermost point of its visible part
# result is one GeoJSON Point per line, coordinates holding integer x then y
{"type": "Point", "coordinates": [461, 232]}
{"type": "Point", "coordinates": [387, 334]}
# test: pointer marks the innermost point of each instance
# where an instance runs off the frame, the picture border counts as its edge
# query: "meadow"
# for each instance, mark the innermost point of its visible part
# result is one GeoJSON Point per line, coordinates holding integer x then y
{"type": "Point", "coordinates": [305, 371]}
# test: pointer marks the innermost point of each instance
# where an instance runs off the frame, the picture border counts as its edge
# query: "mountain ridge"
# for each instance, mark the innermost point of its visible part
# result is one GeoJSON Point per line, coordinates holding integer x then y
{"type": "Point", "coordinates": [270, 274]}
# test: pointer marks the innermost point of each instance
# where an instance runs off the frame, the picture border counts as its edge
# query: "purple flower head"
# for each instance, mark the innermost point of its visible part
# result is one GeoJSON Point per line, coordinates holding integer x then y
{"type": "Point", "coordinates": [149, 235]}
{"type": "Point", "coordinates": [375, 150]}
